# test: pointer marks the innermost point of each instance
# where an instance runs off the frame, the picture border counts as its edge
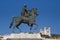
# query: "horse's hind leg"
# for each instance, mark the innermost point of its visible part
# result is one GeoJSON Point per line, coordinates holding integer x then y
{"type": "Point", "coordinates": [17, 25]}
{"type": "Point", "coordinates": [18, 28]}
{"type": "Point", "coordinates": [13, 29]}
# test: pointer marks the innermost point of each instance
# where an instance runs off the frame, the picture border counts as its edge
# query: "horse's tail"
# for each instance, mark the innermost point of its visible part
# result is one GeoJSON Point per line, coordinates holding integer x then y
{"type": "Point", "coordinates": [11, 22]}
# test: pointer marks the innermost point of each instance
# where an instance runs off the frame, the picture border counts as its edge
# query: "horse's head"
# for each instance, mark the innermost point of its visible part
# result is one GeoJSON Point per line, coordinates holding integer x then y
{"type": "Point", "coordinates": [34, 11]}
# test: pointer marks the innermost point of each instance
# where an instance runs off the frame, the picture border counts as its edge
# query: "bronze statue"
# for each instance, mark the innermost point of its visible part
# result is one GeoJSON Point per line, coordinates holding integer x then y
{"type": "Point", "coordinates": [24, 18]}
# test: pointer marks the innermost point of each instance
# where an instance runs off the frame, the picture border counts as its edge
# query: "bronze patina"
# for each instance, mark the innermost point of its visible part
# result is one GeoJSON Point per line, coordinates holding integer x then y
{"type": "Point", "coordinates": [27, 17]}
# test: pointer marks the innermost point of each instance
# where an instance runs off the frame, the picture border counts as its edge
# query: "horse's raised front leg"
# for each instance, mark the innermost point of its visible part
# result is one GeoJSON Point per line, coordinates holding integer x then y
{"type": "Point", "coordinates": [36, 26]}
{"type": "Point", "coordinates": [17, 25]}
{"type": "Point", "coordinates": [30, 29]}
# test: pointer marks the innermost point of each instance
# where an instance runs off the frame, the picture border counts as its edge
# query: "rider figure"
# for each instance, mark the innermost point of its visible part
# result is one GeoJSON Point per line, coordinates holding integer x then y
{"type": "Point", "coordinates": [24, 11]}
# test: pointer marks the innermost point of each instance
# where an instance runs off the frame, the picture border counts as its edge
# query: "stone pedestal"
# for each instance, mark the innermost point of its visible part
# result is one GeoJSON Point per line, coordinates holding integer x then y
{"type": "Point", "coordinates": [22, 36]}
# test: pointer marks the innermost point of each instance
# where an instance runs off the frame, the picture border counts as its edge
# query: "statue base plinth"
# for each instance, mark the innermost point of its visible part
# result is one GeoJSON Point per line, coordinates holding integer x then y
{"type": "Point", "coordinates": [23, 39]}
{"type": "Point", "coordinates": [23, 36]}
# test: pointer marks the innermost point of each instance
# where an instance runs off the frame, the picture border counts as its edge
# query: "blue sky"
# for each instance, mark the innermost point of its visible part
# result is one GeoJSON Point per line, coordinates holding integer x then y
{"type": "Point", "coordinates": [48, 10]}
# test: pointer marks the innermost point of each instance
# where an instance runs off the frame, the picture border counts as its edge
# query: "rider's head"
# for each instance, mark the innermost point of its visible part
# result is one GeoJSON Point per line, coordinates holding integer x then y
{"type": "Point", "coordinates": [25, 5]}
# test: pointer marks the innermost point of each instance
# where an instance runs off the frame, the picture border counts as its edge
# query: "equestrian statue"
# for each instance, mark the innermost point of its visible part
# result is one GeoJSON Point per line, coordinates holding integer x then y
{"type": "Point", "coordinates": [27, 16]}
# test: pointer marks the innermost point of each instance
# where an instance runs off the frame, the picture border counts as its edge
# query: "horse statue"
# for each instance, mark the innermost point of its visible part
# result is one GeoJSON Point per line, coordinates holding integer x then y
{"type": "Point", "coordinates": [30, 20]}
